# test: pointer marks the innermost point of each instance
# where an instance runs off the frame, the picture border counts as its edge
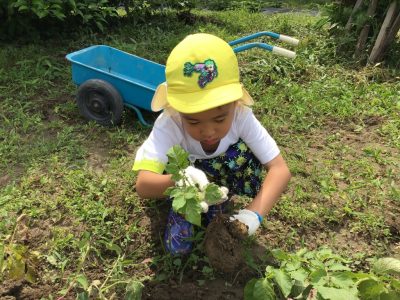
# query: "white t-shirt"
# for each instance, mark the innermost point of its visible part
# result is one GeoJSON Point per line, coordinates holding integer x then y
{"type": "Point", "coordinates": [168, 131]}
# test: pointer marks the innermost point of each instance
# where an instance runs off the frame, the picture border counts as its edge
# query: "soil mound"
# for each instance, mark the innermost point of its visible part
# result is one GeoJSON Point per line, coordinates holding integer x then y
{"type": "Point", "coordinates": [223, 244]}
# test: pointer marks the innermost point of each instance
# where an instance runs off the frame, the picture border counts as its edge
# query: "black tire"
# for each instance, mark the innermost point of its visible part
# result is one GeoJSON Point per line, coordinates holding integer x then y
{"type": "Point", "coordinates": [100, 101]}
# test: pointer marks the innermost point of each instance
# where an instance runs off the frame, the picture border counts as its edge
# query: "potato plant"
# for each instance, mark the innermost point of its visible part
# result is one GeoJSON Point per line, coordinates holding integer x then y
{"type": "Point", "coordinates": [187, 199]}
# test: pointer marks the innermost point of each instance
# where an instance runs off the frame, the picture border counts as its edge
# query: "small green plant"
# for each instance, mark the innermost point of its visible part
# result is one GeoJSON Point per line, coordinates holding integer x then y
{"type": "Point", "coordinates": [322, 274]}
{"type": "Point", "coordinates": [187, 198]}
{"type": "Point", "coordinates": [17, 262]}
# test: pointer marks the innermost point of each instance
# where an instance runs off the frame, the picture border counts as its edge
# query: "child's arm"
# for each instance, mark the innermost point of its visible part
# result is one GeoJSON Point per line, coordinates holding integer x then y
{"type": "Point", "coordinates": [274, 184]}
{"type": "Point", "coordinates": [152, 185]}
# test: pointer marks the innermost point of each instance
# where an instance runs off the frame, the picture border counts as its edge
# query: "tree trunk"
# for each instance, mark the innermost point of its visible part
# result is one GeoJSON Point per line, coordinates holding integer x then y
{"type": "Point", "coordinates": [355, 8]}
{"type": "Point", "coordinates": [382, 41]}
{"type": "Point", "coordinates": [362, 39]}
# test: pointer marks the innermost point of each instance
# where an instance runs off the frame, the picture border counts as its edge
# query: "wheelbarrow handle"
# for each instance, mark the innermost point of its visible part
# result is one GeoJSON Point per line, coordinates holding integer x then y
{"type": "Point", "coordinates": [277, 36]}
{"type": "Point", "coordinates": [273, 49]}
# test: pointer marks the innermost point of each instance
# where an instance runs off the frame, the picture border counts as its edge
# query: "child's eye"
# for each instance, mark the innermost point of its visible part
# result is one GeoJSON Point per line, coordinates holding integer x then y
{"type": "Point", "coordinates": [193, 122]}
{"type": "Point", "coordinates": [220, 120]}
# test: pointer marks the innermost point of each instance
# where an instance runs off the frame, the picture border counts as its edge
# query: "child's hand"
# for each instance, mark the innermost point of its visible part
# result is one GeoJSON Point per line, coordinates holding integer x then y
{"type": "Point", "coordinates": [248, 218]}
{"type": "Point", "coordinates": [195, 177]}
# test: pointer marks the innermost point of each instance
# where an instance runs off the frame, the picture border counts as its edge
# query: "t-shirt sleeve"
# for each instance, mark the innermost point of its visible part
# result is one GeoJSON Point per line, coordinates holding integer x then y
{"type": "Point", "coordinates": [257, 138]}
{"type": "Point", "coordinates": [152, 154]}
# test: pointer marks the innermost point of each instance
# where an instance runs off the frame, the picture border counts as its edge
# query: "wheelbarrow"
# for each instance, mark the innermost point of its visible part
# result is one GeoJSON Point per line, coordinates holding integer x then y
{"type": "Point", "coordinates": [109, 79]}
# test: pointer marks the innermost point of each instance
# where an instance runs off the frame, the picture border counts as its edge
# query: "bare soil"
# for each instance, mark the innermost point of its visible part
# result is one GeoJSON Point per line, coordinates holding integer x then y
{"type": "Point", "coordinates": [213, 290]}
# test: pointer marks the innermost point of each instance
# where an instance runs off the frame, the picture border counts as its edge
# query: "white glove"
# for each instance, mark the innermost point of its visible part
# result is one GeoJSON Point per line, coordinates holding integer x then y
{"type": "Point", "coordinates": [195, 177]}
{"type": "Point", "coordinates": [224, 196]}
{"type": "Point", "coordinates": [248, 218]}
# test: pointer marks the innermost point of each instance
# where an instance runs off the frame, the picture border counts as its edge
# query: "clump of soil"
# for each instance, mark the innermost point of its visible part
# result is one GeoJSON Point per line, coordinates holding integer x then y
{"type": "Point", "coordinates": [223, 244]}
{"type": "Point", "coordinates": [21, 289]}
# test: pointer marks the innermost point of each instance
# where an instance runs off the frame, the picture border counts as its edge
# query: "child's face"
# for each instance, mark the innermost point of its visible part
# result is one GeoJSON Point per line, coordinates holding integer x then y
{"type": "Point", "coordinates": [210, 126]}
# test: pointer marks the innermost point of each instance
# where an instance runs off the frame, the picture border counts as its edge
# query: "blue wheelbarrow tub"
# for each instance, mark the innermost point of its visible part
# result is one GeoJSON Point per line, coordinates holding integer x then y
{"type": "Point", "coordinates": [135, 78]}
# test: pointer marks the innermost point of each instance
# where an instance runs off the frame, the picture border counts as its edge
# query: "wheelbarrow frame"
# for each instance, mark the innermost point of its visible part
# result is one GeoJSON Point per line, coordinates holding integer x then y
{"type": "Point", "coordinates": [109, 78]}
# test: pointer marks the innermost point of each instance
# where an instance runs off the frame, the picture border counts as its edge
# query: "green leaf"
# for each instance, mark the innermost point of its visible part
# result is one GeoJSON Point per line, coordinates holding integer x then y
{"type": "Point", "coordinates": [259, 289]}
{"type": "Point", "coordinates": [338, 267]}
{"type": "Point", "coordinates": [292, 265]}
{"type": "Point", "coordinates": [212, 194]}
{"type": "Point", "coordinates": [16, 267]}
{"type": "Point", "coordinates": [181, 195]}
{"type": "Point", "coordinates": [371, 289]}
{"type": "Point", "coordinates": [82, 296]}
{"type": "Point", "coordinates": [297, 288]}
{"type": "Point", "coordinates": [193, 212]}
{"type": "Point", "coordinates": [299, 275]}
{"type": "Point", "coordinates": [318, 276]}
{"type": "Point", "coordinates": [386, 265]}
{"type": "Point", "coordinates": [390, 296]}
{"type": "Point", "coordinates": [134, 290]}
{"type": "Point", "coordinates": [178, 157]}
{"type": "Point", "coordinates": [248, 289]}
{"type": "Point", "coordinates": [395, 284]}
{"type": "Point", "coordinates": [114, 247]}
{"type": "Point", "coordinates": [330, 293]}
{"type": "Point", "coordinates": [283, 280]}
{"type": "Point", "coordinates": [30, 274]}
{"type": "Point", "coordinates": [177, 161]}
{"type": "Point", "coordinates": [301, 252]}
{"type": "Point", "coordinates": [82, 280]}
{"type": "Point", "coordinates": [342, 279]}
{"type": "Point", "coordinates": [263, 290]}
{"type": "Point", "coordinates": [179, 199]}
{"type": "Point", "coordinates": [280, 254]}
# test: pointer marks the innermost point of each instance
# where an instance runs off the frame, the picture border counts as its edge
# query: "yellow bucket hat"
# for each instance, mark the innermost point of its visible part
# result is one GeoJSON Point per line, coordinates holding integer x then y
{"type": "Point", "coordinates": [201, 73]}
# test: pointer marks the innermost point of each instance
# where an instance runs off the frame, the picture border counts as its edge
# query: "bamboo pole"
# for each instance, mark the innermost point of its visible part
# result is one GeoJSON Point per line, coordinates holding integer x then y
{"type": "Point", "coordinates": [381, 42]}
{"type": "Point", "coordinates": [362, 39]}
{"type": "Point", "coordinates": [355, 8]}
{"type": "Point", "coordinates": [395, 29]}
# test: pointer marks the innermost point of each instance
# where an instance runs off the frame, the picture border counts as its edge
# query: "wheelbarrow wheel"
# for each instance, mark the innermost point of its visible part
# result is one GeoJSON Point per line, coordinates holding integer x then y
{"type": "Point", "coordinates": [99, 101]}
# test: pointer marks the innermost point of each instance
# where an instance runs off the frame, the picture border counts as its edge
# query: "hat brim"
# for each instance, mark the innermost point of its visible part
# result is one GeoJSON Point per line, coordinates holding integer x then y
{"type": "Point", "coordinates": [205, 99]}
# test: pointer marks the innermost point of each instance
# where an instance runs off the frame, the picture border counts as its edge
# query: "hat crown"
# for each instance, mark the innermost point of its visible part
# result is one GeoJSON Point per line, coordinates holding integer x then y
{"type": "Point", "coordinates": [201, 62]}
{"type": "Point", "coordinates": [201, 73]}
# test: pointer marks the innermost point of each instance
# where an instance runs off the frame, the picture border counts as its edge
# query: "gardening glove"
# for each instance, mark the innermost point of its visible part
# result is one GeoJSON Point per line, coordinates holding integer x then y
{"type": "Point", "coordinates": [249, 218]}
{"type": "Point", "coordinates": [224, 196]}
{"type": "Point", "coordinates": [195, 177]}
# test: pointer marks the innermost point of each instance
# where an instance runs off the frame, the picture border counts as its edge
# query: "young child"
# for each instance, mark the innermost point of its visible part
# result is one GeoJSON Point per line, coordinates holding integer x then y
{"type": "Point", "coordinates": [206, 112]}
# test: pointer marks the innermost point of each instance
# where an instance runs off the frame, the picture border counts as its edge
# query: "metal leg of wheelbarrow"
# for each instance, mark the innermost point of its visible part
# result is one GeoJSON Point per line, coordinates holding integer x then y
{"type": "Point", "coordinates": [139, 115]}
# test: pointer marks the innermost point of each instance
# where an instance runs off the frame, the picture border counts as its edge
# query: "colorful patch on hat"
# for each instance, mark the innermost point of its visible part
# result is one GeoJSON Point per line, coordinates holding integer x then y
{"type": "Point", "coordinates": [208, 71]}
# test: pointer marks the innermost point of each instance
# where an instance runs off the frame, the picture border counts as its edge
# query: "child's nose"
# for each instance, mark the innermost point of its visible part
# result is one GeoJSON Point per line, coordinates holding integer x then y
{"type": "Point", "coordinates": [207, 131]}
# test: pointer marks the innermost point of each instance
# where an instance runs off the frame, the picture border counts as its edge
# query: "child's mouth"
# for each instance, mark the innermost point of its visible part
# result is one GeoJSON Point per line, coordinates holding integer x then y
{"type": "Point", "coordinates": [210, 142]}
